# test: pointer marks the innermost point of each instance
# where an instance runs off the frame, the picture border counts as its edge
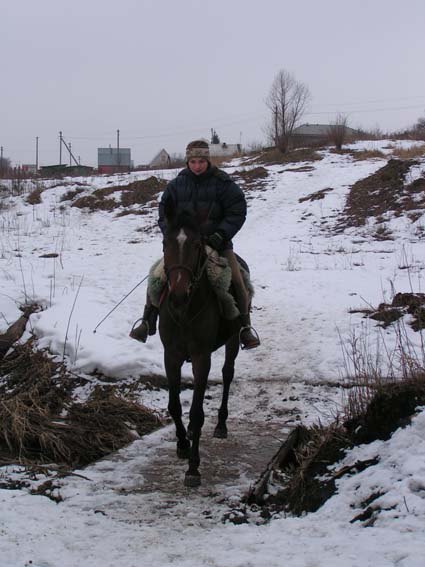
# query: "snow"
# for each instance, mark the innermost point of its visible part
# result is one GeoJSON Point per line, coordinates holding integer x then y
{"type": "Point", "coordinates": [307, 279]}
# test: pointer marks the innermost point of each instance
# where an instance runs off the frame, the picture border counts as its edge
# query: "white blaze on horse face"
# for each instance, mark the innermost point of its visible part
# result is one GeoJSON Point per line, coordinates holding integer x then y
{"type": "Point", "coordinates": [181, 239]}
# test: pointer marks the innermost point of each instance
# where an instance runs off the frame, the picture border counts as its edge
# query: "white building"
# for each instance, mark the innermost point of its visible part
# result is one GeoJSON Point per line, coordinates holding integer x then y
{"type": "Point", "coordinates": [162, 159]}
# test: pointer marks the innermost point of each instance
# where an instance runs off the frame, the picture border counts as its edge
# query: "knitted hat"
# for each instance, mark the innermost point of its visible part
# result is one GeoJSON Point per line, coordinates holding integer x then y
{"type": "Point", "coordinates": [198, 149]}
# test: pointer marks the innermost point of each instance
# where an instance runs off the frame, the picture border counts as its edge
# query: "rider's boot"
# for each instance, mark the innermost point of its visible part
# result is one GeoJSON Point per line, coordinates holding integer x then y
{"type": "Point", "coordinates": [148, 325]}
{"type": "Point", "coordinates": [248, 336]}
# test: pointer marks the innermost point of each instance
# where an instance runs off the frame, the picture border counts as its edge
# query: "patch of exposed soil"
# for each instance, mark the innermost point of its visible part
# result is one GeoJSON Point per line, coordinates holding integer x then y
{"type": "Point", "coordinates": [251, 179]}
{"type": "Point", "coordinates": [360, 155]}
{"type": "Point", "coordinates": [126, 196]}
{"type": "Point", "coordinates": [316, 196]}
{"type": "Point", "coordinates": [70, 195]}
{"type": "Point", "coordinates": [402, 304]}
{"type": "Point", "coordinates": [275, 157]}
{"type": "Point", "coordinates": [302, 169]}
{"type": "Point", "coordinates": [391, 407]}
{"type": "Point", "coordinates": [382, 192]}
{"type": "Point", "coordinates": [302, 474]}
{"type": "Point", "coordinates": [34, 198]}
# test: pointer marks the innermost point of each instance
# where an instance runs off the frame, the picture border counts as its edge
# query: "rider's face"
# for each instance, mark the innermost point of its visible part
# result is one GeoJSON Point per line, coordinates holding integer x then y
{"type": "Point", "coordinates": [198, 165]}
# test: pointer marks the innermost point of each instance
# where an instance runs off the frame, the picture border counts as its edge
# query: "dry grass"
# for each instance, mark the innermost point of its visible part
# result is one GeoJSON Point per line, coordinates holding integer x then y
{"type": "Point", "coordinates": [410, 153]}
{"type": "Point", "coordinates": [321, 447]}
{"type": "Point", "coordinates": [274, 156]}
{"type": "Point", "coordinates": [221, 161]}
{"type": "Point", "coordinates": [70, 195]}
{"type": "Point", "coordinates": [41, 423]}
{"type": "Point", "coordinates": [136, 193]}
{"type": "Point", "coordinates": [368, 154]}
{"type": "Point", "coordinates": [34, 198]}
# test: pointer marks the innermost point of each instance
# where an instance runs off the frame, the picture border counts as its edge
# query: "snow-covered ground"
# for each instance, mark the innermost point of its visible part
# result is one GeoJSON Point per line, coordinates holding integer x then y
{"type": "Point", "coordinates": [307, 278]}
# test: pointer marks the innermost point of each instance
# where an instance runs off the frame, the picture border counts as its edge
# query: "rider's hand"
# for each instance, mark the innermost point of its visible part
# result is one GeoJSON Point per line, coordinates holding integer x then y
{"type": "Point", "coordinates": [216, 241]}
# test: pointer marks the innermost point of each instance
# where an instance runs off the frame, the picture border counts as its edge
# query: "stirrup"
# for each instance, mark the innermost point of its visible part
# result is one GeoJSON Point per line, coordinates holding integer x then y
{"type": "Point", "coordinates": [254, 332]}
{"type": "Point", "coordinates": [135, 325]}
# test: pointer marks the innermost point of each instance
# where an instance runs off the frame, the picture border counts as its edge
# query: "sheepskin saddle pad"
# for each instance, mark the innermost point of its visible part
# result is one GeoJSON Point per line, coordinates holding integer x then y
{"type": "Point", "coordinates": [219, 276]}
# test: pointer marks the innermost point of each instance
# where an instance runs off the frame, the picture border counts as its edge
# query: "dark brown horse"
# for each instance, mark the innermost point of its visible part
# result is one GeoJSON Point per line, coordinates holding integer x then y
{"type": "Point", "coordinates": [191, 328]}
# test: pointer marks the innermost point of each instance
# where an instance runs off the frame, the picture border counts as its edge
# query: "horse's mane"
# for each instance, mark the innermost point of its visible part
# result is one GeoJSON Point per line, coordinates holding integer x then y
{"type": "Point", "coordinates": [186, 218]}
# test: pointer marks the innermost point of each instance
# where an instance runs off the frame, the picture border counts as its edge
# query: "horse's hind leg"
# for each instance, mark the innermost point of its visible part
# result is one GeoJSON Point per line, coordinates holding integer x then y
{"type": "Point", "coordinates": [232, 349]}
{"type": "Point", "coordinates": [173, 365]}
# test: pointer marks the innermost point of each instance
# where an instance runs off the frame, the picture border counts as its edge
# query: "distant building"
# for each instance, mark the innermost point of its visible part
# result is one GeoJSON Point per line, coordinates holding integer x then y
{"type": "Point", "coordinates": [113, 160]}
{"type": "Point", "coordinates": [312, 134]}
{"type": "Point", "coordinates": [29, 167]}
{"type": "Point", "coordinates": [162, 159]}
{"type": "Point", "coordinates": [58, 171]}
{"type": "Point", "coordinates": [225, 150]}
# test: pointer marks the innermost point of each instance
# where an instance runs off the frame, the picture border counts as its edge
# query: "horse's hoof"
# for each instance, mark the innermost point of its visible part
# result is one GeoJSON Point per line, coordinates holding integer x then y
{"type": "Point", "coordinates": [220, 432]}
{"type": "Point", "coordinates": [192, 480]}
{"type": "Point", "coordinates": [183, 452]}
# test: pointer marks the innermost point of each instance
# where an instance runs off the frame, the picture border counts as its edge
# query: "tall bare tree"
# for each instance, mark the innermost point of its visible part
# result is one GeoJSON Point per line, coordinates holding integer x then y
{"type": "Point", "coordinates": [419, 129]}
{"type": "Point", "coordinates": [337, 131]}
{"type": "Point", "coordinates": [287, 101]}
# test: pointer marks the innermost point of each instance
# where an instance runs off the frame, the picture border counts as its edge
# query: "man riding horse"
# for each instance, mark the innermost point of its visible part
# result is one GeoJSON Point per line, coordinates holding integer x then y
{"type": "Point", "coordinates": [211, 194]}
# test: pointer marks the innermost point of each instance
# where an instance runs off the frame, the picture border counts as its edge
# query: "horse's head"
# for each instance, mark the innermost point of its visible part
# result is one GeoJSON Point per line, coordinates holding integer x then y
{"type": "Point", "coordinates": [183, 253]}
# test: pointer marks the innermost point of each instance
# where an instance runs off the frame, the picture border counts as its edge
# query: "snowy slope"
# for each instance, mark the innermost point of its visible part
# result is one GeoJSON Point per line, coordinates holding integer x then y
{"type": "Point", "coordinates": [307, 278]}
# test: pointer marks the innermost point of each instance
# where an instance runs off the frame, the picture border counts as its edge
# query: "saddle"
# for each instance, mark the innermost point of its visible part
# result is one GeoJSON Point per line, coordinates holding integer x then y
{"type": "Point", "coordinates": [220, 278]}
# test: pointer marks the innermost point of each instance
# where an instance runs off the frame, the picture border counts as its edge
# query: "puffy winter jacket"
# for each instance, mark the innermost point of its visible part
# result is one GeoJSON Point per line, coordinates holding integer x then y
{"type": "Point", "coordinates": [213, 194]}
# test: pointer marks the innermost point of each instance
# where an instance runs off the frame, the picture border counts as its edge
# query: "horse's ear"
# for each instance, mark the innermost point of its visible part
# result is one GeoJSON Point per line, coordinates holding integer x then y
{"type": "Point", "coordinates": [170, 210]}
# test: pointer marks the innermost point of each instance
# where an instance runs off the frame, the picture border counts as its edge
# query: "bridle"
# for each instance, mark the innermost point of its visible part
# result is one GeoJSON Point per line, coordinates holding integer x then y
{"type": "Point", "coordinates": [195, 276]}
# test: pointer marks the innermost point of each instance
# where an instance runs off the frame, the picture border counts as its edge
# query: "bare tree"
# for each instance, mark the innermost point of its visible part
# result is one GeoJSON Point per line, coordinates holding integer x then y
{"type": "Point", "coordinates": [287, 101]}
{"type": "Point", "coordinates": [337, 131]}
{"type": "Point", "coordinates": [419, 129]}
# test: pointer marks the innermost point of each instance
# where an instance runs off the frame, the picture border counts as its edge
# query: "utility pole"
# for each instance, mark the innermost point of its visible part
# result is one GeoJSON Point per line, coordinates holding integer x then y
{"type": "Point", "coordinates": [60, 148]}
{"type": "Point", "coordinates": [69, 150]}
{"type": "Point", "coordinates": [1, 161]}
{"type": "Point", "coordinates": [118, 148]}
{"type": "Point", "coordinates": [70, 154]}
{"type": "Point", "coordinates": [36, 154]}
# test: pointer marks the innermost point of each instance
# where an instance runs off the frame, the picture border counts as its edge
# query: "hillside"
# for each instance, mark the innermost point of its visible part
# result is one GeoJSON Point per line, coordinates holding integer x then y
{"type": "Point", "coordinates": [331, 238]}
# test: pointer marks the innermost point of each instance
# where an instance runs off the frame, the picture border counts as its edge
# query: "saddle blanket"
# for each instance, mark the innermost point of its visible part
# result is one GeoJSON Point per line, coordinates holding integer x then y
{"type": "Point", "coordinates": [219, 275]}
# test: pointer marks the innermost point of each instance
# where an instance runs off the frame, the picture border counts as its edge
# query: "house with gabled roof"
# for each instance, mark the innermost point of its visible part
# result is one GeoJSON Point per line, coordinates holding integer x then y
{"type": "Point", "coordinates": [162, 159]}
{"type": "Point", "coordinates": [316, 134]}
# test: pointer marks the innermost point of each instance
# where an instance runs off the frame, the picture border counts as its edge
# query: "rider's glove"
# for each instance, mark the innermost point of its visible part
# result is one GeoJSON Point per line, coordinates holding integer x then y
{"type": "Point", "coordinates": [216, 241]}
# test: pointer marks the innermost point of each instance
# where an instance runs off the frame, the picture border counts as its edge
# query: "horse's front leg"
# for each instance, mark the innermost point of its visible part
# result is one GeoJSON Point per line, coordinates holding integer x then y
{"type": "Point", "coordinates": [173, 364]}
{"type": "Point", "coordinates": [201, 364]}
{"type": "Point", "coordinates": [232, 349]}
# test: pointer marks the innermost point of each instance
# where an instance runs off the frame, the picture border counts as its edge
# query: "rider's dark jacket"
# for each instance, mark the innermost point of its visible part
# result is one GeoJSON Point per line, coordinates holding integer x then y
{"type": "Point", "coordinates": [213, 195]}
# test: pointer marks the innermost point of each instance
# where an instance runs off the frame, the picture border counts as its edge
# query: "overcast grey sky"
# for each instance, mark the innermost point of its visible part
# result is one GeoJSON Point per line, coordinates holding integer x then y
{"type": "Point", "coordinates": [166, 71]}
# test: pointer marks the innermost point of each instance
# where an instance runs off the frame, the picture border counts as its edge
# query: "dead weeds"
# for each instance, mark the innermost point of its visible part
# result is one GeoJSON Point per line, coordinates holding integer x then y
{"type": "Point", "coordinates": [40, 422]}
{"type": "Point", "coordinates": [275, 157]}
{"type": "Point", "coordinates": [303, 473]}
{"type": "Point", "coordinates": [409, 153]}
{"type": "Point", "coordinates": [34, 198]}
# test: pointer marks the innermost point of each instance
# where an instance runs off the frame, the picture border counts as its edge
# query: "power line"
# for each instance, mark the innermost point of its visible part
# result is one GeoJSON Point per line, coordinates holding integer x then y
{"type": "Point", "coordinates": [376, 101]}
{"type": "Point", "coordinates": [362, 111]}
